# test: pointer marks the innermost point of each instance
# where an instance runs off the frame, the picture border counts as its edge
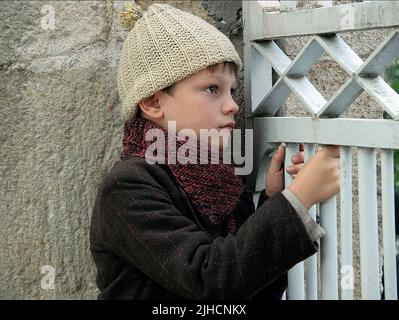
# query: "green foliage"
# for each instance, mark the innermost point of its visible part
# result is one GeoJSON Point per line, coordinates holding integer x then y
{"type": "Point", "coordinates": [396, 165]}
{"type": "Point", "coordinates": [393, 76]}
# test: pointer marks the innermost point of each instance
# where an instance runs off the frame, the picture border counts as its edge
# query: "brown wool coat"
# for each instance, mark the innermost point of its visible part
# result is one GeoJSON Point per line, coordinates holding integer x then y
{"type": "Point", "coordinates": [148, 243]}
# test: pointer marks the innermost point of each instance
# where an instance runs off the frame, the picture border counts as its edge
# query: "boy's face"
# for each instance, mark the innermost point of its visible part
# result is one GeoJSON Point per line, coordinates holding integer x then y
{"type": "Point", "coordinates": [200, 101]}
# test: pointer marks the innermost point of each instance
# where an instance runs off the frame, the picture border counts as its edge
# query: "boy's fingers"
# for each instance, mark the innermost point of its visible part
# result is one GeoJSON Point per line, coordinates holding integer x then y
{"type": "Point", "coordinates": [332, 151]}
{"type": "Point", "coordinates": [277, 160]}
{"type": "Point", "coordinates": [294, 168]}
{"type": "Point", "coordinates": [298, 157]}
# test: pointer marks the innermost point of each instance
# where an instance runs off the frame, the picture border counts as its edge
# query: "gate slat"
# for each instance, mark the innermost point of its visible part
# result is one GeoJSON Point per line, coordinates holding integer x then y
{"type": "Point", "coordinates": [296, 284]}
{"type": "Point", "coordinates": [388, 223]}
{"type": "Point", "coordinates": [368, 224]}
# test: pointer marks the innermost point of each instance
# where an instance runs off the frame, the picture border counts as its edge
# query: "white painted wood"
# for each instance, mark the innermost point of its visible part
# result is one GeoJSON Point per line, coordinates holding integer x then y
{"type": "Point", "coordinates": [270, 6]}
{"type": "Point", "coordinates": [296, 284]}
{"type": "Point", "coordinates": [325, 3]}
{"type": "Point", "coordinates": [293, 74]}
{"type": "Point", "coordinates": [274, 100]}
{"type": "Point", "coordinates": [371, 133]}
{"type": "Point", "coordinates": [341, 100]}
{"type": "Point", "coordinates": [346, 259]}
{"type": "Point", "coordinates": [296, 82]}
{"type": "Point", "coordinates": [333, 19]}
{"type": "Point", "coordinates": [253, 16]}
{"type": "Point", "coordinates": [368, 224]}
{"type": "Point", "coordinates": [276, 57]}
{"type": "Point", "coordinates": [265, 21]}
{"type": "Point", "coordinates": [260, 77]}
{"type": "Point", "coordinates": [307, 93]}
{"type": "Point", "coordinates": [382, 56]}
{"type": "Point", "coordinates": [340, 52]}
{"type": "Point", "coordinates": [311, 262]}
{"type": "Point", "coordinates": [387, 97]}
{"type": "Point", "coordinates": [388, 224]}
{"type": "Point", "coordinates": [328, 250]}
{"type": "Point", "coordinates": [288, 5]}
{"type": "Point", "coordinates": [305, 59]}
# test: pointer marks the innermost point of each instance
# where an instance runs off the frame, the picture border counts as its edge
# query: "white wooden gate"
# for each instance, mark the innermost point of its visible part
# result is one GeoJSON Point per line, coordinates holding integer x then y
{"type": "Point", "coordinates": [263, 24]}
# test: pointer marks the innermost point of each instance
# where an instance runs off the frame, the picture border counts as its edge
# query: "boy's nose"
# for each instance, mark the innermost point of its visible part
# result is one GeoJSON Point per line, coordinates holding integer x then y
{"type": "Point", "coordinates": [230, 106]}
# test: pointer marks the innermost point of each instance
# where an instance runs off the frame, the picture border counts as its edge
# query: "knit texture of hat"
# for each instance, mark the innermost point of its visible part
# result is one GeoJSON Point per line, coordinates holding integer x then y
{"type": "Point", "coordinates": [164, 46]}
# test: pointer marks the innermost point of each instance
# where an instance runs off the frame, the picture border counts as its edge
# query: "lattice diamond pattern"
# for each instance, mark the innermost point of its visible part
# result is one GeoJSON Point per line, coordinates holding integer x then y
{"type": "Point", "coordinates": [364, 76]}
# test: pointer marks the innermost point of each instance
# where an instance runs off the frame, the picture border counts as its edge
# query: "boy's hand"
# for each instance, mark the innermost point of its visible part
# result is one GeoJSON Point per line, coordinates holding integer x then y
{"type": "Point", "coordinates": [298, 161]}
{"type": "Point", "coordinates": [319, 178]}
{"type": "Point", "coordinates": [274, 180]}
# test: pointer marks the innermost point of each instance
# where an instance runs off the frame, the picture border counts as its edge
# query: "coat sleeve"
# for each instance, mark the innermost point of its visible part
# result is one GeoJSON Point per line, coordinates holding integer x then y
{"type": "Point", "coordinates": [141, 225]}
{"type": "Point", "coordinates": [245, 206]}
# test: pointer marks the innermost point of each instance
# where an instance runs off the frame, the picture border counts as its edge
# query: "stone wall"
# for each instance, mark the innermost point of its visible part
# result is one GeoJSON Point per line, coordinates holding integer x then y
{"type": "Point", "coordinates": [60, 134]}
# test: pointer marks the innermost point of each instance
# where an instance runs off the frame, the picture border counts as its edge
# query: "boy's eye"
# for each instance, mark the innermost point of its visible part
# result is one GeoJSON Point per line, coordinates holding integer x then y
{"type": "Point", "coordinates": [212, 87]}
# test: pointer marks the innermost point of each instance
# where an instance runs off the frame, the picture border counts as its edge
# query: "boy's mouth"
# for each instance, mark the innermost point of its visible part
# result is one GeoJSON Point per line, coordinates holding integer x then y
{"type": "Point", "coordinates": [229, 125]}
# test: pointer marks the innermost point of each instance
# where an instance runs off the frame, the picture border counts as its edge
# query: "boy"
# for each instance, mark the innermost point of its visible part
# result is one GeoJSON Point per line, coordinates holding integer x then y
{"type": "Point", "coordinates": [190, 231]}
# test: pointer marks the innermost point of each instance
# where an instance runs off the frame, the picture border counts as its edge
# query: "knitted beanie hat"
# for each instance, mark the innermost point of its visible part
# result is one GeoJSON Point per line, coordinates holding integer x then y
{"type": "Point", "coordinates": [164, 46]}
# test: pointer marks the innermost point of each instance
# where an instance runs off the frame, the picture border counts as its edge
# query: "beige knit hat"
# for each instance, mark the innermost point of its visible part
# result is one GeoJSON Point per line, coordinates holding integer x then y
{"type": "Point", "coordinates": [164, 46]}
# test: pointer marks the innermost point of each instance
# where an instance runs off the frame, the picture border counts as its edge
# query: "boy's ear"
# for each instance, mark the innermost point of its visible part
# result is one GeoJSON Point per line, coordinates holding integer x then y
{"type": "Point", "coordinates": [150, 107]}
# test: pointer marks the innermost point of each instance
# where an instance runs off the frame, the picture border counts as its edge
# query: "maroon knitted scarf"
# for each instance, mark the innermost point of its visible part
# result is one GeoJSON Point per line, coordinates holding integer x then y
{"type": "Point", "coordinates": [212, 188]}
